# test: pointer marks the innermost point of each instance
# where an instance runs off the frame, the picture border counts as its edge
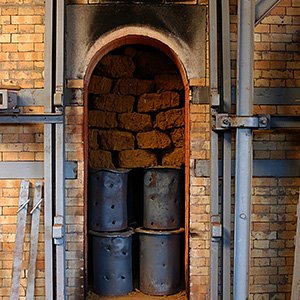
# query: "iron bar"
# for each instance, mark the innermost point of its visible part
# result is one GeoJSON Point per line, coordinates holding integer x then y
{"type": "Point", "coordinates": [48, 118]}
{"type": "Point", "coordinates": [32, 169]}
{"type": "Point", "coordinates": [243, 178]}
{"type": "Point", "coordinates": [60, 151]}
{"type": "Point", "coordinates": [226, 141]}
{"type": "Point", "coordinates": [214, 185]}
{"type": "Point", "coordinates": [34, 239]}
{"type": "Point", "coordinates": [48, 149]}
{"type": "Point", "coordinates": [263, 8]}
{"type": "Point", "coordinates": [60, 211]}
{"type": "Point", "coordinates": [48, 209]}
{"type": "Point", "coordinates": [261, 168]}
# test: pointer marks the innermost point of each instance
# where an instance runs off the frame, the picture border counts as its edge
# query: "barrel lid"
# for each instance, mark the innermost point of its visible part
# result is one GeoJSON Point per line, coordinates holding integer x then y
{"type": "Point", "coordinates": [142, 230]}
{"type": "Point", "coordinates": [113, 234]}
{"type": "Point", "coordinates": [117, 171]}
{"type": "Point", "coordinates": [163, 168]}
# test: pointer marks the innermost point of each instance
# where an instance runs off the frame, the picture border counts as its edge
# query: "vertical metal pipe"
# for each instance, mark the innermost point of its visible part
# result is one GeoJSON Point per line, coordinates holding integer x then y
{"type": "Point", "coordinates": [60, 152]}
{"type": "Point", "coordinates": [60, 211]}
{"type": "Point", "coordinates": [48, 146]}
{"type": "Point", "coordinates": [243, 181]}
{"type": "Point", "coordinates": [214, 194]}
{"type": "Point", "coordinates": [226, 203]}
{"type": "Point", "coordinates": [214, 185]}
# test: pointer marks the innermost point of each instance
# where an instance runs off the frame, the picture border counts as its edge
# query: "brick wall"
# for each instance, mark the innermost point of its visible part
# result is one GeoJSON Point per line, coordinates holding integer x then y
{"type": "Point", "coordinates": [22, 43]}
{"type": "Point", "coordinates": [199, 235]}
{"type": "Point", "coordinates": [274, 199]}
{"type": "Point", "coordinates": [75, 205]}
{"type": "Point", "coordinates": [21, 64]}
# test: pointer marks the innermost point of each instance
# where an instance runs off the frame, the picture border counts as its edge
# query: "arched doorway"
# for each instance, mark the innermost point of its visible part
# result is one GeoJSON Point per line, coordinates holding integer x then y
{"type": "Point", "coordinates": [136, 77]}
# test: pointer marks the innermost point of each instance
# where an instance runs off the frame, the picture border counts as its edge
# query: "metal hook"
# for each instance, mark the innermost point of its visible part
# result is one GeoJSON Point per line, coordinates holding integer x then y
{"type": "Point", "coordinates": [23, 205]}
{"type": "Point", "coordinates": [36, 206]}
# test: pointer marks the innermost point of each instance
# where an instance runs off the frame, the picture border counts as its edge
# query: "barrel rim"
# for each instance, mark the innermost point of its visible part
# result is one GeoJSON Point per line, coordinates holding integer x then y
{"type": "Point", "coordinates": [142, 230]}
{"type": "Point", "coordinates": [113, 234]}
{"type": "Point", "coordinates": [115, 171]}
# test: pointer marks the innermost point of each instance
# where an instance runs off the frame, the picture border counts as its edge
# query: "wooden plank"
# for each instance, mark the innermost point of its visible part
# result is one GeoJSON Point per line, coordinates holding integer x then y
{"type": "Point", "coordinates": [19, 242]}
{"type": "Point", "coordinates": [35, 223]}
{"type": "Point", "coordinates": [296, 273]}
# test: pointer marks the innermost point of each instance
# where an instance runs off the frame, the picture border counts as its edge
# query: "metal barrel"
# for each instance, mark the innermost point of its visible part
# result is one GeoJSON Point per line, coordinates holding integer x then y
{"type": "Point", "coordinates": [163, 198]}
{"type": "Point", "coordinates": [108, 200]}
{"type": "Point", "coordinates": [112, 262]}
{"type": "Point", "coordinates": [159, 261]}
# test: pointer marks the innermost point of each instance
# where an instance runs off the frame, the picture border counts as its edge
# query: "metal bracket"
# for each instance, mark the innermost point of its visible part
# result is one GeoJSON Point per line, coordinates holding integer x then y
{"type": "Point", "coordinates": [58, 230]}
{"type": "Point", "coordinates": [58, 96]}
{"type": "Point", "coordinates": [216, 226]}
{"type": "Point", "coordinates": [226, 121]}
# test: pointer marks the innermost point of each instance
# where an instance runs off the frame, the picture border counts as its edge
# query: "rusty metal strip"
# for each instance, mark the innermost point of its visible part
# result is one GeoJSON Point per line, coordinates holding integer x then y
{"type": "Point", "coordinates": [20, 233]}
{"type": "Point", "coordinates": [296, 272]}
{"type": "Point", "coordinates": [35, 223]}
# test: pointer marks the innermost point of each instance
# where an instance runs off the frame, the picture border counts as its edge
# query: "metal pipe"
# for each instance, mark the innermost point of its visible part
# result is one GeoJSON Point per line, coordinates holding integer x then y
{"type": "Point", "coordinates": [243, 179]}
{"type": "Point", "coordinates": [60, 211]}
{"type": "Point", "coordinates": [214, 185]}
{"type": "Point", "coordinates": [48, 146]}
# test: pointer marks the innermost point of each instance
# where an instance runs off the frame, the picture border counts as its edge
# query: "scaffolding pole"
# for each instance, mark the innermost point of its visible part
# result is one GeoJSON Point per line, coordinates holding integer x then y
{"type": "Point", "coordinates": [243, 178]}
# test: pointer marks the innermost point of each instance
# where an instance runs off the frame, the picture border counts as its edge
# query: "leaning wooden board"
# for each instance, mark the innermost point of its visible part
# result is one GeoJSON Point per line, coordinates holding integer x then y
{"type": "Point", "coordinates": [19, 241]}
{"type": "Point", "coordinates": [35, 225]}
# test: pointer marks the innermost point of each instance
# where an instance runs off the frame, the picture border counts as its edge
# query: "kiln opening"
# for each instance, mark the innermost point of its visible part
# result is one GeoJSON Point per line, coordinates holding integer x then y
{"type": "Point", "coordinates": [136, 159]}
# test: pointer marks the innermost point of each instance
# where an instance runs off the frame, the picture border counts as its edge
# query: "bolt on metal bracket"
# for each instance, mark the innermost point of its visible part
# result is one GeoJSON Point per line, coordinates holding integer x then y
{"type": "Point", "coordinates": [58, 230]}
{"type": "Point", "coordinates": [216, 226]}
{"type": "Point", "coordinates": [226, 122]}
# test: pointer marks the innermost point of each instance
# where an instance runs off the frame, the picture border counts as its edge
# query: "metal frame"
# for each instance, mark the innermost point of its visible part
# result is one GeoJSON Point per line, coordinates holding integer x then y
{"type": "Point", "coordinates": [60, 153]}
{"type": "Point", "coordinates": [47, 118]}
{"type": "Point", "coordinates": [261, 168]}
{"type": "Point", "coordinates": [54, 144]}
{"type": "Point", "coordinates": [226, 153]}
{"type": "Point", "coordinates": [214, 141]}
{"type": "Point", "coordinates": [48, 150]}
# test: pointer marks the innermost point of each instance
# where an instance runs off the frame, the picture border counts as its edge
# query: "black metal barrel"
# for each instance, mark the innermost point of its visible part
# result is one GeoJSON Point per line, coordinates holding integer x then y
{"type": "Point", "coordinates": [108, 199]}
{"type": "Point", "coordinates": [163, 198]}
{"type": "Point", "coordinates": [159, 261]}
{"type": "Point", "coordinates": [112, 262]}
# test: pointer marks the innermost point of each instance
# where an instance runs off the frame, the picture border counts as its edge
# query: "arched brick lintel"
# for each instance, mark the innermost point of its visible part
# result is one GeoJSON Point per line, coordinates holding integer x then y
{"type": "Point", "coordinates": [178, 52]}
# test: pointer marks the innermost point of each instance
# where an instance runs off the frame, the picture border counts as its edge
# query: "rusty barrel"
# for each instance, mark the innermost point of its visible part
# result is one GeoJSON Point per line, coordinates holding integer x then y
{"type": "Point", "coordinates": [108, 199]}
{"type": "Point", "coordinates": [163, 198]}
{"type": "Point", "coordinates": [160, 261]}
{"type": "Point", "coordinates": [112, 262]}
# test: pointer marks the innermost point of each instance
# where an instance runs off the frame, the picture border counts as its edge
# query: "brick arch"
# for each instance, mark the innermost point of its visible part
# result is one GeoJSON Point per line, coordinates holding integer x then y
{"type": "Point", "coordinates": [179, 55]}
